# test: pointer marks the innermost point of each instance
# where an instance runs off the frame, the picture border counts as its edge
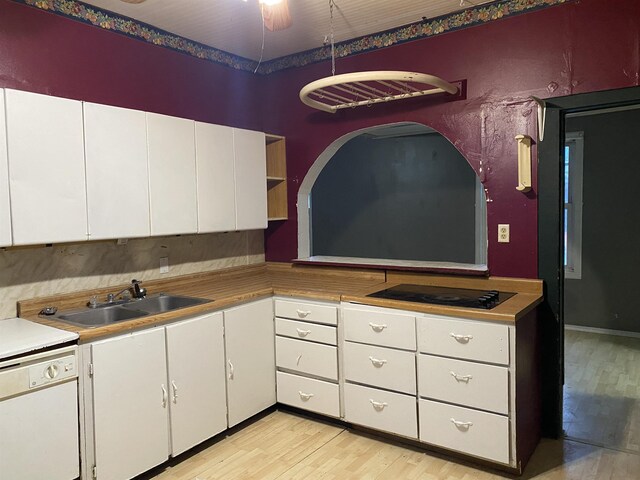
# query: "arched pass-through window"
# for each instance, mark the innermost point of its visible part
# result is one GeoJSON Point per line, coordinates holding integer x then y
{"type": "Point", "coordinates": [395, 195]}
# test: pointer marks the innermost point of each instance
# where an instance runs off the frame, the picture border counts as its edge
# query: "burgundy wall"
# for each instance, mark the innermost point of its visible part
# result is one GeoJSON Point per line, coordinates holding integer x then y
{"type": "Point", "coordinates": [46, 53]}
{"type": "Point", "coordinates": [578, 47]}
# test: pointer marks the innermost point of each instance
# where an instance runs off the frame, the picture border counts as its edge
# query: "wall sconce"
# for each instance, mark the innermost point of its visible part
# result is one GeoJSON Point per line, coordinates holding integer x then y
{"type": "Point", "coordinates": [524, 163]}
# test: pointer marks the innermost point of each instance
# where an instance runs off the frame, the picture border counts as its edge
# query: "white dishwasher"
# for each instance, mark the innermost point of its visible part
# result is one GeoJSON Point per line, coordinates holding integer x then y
{"type": "Point", "coordinates": [39, 414]}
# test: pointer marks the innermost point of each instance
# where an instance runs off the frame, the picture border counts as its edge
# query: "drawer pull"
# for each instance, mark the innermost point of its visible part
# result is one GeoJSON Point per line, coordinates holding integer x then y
{"type": "Point", "coordinates": [303, 333]}
{"type": "Point", "coordinates": [298, 359]}
{"type": "Point", "coordinates": [377, 327]}
{"type": "Point", "coordinates": [304, 396]}
{"type": "Point", "coordinates": [303, 313]}
{"type": "Point", "coordinates": [461, 338]}
{"type": "Point", "coordinates": [461, 378]}
{"type": "Point", "coordinates": [461, 425]}
{"type": "Point", "coordinates": [379, 406]}
{"type": "Point", "coordinates": [376, 362]}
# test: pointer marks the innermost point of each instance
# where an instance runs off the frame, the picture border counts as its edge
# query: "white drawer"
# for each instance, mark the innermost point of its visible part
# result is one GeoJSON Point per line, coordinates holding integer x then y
{"type": "Point", "coordinates": [309, 312]}
{"type": "Point", "coordinates": [472, 340]}
{"type": "Point", "coordinates": [306, 331]}
{"type": "Point", "coordinates": [380, 328]}
{"type": "Point", "coordinates": [469, 431]}
{"type": "Point", "coordinates": [390, 412]}
{"type": "Point", "coordinates": [308, 393]}
{"type": "Point", "coordinates": [307, 357]}
{"type": "Point", "coordinates": [465, 383]}
{"type": "Point", "coordinates": [381, 367]}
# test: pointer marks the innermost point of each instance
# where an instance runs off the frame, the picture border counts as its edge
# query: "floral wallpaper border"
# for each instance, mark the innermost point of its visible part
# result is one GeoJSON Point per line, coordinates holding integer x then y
{"type": "Point", "coordinates": [107, 20]}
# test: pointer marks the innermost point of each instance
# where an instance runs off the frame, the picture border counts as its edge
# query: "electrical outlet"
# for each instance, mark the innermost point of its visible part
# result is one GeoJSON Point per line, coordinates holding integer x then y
{"type": "Point", "coordinates": [503, 233]}
{"type": "Point", "coordinates": [164, 264]}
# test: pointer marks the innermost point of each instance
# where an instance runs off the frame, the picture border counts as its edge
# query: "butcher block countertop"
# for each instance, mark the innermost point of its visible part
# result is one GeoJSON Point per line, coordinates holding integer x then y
{"type": "Point", "coordinates": [234, 286]}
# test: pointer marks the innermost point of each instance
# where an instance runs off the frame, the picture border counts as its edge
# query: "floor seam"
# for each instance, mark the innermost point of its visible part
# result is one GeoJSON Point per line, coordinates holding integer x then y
{"type": "Point", "coordinates": [311, 453]}
{"type": "Point", "coordinates": [600, 445]}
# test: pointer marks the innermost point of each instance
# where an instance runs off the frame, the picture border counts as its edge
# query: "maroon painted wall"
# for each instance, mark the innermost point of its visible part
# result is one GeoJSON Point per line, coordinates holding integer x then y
{"type": "Point", "coordinates": [578, 47]}
{"type": "Point", "coordinates": [583, 46]}
{"type": "Point", "coordinates": [45, 53]}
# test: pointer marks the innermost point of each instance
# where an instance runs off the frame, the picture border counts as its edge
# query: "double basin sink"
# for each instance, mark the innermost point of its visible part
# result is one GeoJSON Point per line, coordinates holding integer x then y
{"type": "Point", "coordinates": [129, 310]}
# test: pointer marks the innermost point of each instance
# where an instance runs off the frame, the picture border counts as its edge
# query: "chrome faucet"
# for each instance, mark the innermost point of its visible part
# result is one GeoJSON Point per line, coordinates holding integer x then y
{"type": "Point", "coordinates": [136, 290]}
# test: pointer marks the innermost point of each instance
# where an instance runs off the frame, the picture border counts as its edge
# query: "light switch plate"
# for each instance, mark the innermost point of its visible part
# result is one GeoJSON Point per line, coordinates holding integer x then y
{"type": "Point", "coordinates": [503, 233]}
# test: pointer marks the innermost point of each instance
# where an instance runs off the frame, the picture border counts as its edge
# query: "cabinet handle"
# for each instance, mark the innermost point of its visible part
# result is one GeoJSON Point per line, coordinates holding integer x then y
{"type": "Point", "coordinates": [304, 396]}
{"type": "Point", "coordinates": [377, 327]}
{"type": "Point", "coordinates": [165, 396]}
{"type": "Point", "coordinates": [461, 378]}
{"type": "Point", "coordinates": [303, 313]}
{"type": "Point", "coordinates": [376, 362]}
{"type": "Point", "coordinates": [461, 338]}
{"type": "Point", "coordinates": [175, 391]}
{"type": "Point", "coordinates": [298, 359]}
{"type": "Point", "coordinates": [379, 406]}
{"type": "Point", "coordinates": [461, 425]}
{"type": "Point", "coordinates": [230, 369]}
{"type": "Point", "coordinates": [303, 333]}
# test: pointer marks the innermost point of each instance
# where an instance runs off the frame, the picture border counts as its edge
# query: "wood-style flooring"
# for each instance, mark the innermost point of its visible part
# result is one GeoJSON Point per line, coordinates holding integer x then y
{"type": "Point", "coordinates": [601, 414]}
{"type": "Point", "coordinates": [602, 390]}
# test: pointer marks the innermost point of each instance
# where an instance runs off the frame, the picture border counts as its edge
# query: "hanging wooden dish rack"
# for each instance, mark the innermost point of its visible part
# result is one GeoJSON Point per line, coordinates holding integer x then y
{"type": "Point", "coordinates": [352, 90]}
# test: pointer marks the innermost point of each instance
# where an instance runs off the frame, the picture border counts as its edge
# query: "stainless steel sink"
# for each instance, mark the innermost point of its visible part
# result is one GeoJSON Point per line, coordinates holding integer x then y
{"type": "Point", "coordinates": [100, 316]}
{"type": "Point", "coordinates": [163, 303]}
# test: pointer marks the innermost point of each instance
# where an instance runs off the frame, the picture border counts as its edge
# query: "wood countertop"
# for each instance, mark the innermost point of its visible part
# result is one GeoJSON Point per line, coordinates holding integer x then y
{"type": "Point", "coordinates": [230, 287]}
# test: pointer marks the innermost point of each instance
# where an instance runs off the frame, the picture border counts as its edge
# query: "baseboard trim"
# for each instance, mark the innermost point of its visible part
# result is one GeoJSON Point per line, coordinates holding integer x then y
{"type": "Point", "coordinates": [603, 331]}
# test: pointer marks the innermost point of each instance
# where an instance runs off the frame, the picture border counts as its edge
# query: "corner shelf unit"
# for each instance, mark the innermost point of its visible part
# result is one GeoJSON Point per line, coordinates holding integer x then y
{"type": "Point", "coordinates": [276, 178]}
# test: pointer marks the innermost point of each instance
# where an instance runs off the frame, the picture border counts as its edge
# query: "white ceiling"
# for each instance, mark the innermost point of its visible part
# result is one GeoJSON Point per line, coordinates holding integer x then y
{"type": "Point", "coordinates": [235, 26]}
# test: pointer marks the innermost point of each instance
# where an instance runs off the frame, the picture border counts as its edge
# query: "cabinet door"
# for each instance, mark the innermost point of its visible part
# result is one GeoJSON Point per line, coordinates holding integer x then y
{"type": "Point", "coordinates": [116, 160]}
{"type": "Point", "coordinates": [251, 369]}
{"type": "Point", "coordinates": [5, 211]}
{"type": "Point", "coordinates": [172, 175]}
{"type": "Point", "coordinates": [46, 168]}
{"type": "Point", "coordinates": [251, 179]}
{"type": "Point", "coordinates": [216, 181]}
{"type": "Point", "coordinates": [195, 353]}
{"type": "Point", "coordinates": [130, 403]}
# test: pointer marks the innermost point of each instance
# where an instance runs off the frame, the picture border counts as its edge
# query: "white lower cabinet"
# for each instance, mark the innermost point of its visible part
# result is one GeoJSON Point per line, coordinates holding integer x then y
{"type": "Point", "coordinates": [197, 393]}
{"type": "Point", "coordinates": [466, 430]}
{"type": "Point", "coordinates": [249, 337]}
{"type": "Point", "coordinates": [387, 411]}
{"type": "Point", "coordinates": [309, 394]}
{"type": "Point", "coordinates": [130, 404]}
{"type": "Point", "coordinates": [156, 393]}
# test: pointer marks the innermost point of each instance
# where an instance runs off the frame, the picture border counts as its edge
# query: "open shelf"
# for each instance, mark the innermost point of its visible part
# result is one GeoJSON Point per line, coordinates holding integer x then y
{"type": "Point", "coordinates": [276, 178]}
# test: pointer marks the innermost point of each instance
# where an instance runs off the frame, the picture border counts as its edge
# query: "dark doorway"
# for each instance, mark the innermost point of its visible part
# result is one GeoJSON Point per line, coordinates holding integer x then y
{"type": "Point", "coordinates": [551, 241]}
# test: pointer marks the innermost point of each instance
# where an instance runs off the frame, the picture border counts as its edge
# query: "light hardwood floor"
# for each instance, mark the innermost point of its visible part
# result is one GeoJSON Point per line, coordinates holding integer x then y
{"type": "Point", "coordinates": [602, 409]}
{"type": "Point", "coordinates": [283, 446]}
{"type": "Point", "coordinates": [602, 390]}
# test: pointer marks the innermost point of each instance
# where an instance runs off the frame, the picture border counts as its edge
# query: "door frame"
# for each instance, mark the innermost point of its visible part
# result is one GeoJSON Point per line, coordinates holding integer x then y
{"type": "Point", "coordinates": [551, 240]}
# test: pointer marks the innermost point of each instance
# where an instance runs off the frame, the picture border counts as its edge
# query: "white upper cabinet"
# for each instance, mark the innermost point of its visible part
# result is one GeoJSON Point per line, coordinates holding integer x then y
{"type": "Point", "coordinates": [215, 167]}
{"type": "Point", "coordinates": [46, 168]}
{"type": "Point", "coordinates": [172, 175]}
{"type": "Point", "coordinates": [5, 206]}
{"type": "Point", "coordinates": [116, 161]}
{"type": "Point", "coordinates": [251, 179]}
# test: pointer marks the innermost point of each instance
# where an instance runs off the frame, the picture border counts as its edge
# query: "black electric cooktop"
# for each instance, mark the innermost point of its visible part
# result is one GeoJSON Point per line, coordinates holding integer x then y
{"type": "Point", "coordinates": [457, 297]}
